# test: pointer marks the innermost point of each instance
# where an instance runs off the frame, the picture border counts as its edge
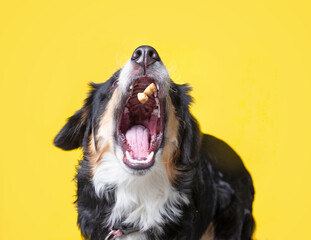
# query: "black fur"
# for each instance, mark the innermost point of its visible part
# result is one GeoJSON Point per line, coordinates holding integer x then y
{"type": "Point", "coordinates": [212, 176]}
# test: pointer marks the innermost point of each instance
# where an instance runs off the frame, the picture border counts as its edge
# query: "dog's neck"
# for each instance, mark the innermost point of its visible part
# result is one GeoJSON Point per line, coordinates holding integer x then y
{"type": "Point", "coordinates": [144, 202]}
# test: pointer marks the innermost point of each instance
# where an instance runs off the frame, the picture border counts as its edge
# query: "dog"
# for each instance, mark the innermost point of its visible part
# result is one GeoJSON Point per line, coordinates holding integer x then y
{"type": "Point", "coordinates": [147, 170]}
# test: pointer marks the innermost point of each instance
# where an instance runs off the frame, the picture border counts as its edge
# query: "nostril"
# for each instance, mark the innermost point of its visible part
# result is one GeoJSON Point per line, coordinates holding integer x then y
{"type": "Point", "coordinates": [145, 56]}
{"type": "Point", "coordinates": [137, 54]}
{"type": "Point", "coordinates": [154, 55]}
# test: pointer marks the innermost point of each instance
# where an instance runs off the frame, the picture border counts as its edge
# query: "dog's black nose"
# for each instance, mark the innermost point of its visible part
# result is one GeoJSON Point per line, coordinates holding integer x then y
{"type": "Point", "coordinates": [145, 56]}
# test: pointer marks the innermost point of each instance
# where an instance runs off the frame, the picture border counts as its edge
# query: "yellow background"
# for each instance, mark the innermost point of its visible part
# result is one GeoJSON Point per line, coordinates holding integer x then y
{"type": "Point", "coordinates": [249, 64]}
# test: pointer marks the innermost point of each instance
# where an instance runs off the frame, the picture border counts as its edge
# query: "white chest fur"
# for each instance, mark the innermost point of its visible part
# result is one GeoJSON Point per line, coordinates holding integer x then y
{"type": "Point", "coordinates": [140, 200]}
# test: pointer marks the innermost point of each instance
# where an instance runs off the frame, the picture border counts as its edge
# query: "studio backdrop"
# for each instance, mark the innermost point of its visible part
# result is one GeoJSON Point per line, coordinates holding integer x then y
{"type": "Point", "coordinates": [247, 61]}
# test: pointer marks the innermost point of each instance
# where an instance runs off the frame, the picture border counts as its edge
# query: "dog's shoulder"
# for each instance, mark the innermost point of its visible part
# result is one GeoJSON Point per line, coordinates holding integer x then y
{"type": "Point", "coordinates": [229, 174]}
{"type": "Point", "coordinates": [222, 157]}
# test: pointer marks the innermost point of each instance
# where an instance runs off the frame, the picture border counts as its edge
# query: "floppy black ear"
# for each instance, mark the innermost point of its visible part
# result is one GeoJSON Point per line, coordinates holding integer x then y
{"type": "Point", "coordinates": [71, 135]}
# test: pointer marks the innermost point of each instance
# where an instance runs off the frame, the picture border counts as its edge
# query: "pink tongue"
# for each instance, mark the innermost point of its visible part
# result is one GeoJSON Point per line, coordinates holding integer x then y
{"type": "Point", "coordinates": [138, 138]}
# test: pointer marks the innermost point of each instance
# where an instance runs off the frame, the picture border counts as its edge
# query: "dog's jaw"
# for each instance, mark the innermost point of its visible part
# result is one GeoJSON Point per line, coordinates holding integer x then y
{"type": "Point", "coordinates": [132, 77]}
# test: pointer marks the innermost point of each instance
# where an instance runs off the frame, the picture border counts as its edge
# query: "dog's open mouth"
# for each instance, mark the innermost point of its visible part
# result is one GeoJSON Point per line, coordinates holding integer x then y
{"type": "Point", "coordinates": [140, 126]}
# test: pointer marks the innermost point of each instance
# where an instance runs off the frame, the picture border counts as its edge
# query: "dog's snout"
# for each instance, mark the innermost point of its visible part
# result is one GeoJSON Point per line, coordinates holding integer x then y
{"type": "Point", "coordinates": [145, 56]}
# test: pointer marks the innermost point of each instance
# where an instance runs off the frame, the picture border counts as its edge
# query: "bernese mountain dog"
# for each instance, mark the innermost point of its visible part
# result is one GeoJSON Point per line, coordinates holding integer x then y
{"type": "Point", "coordinates": [148, 172]}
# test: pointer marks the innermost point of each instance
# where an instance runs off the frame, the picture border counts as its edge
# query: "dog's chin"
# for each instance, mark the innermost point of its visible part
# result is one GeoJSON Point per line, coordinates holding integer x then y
{"type": "Point", "coordinates": [137, 171]}
{"type": "Point", "coordinates": [140, 127]}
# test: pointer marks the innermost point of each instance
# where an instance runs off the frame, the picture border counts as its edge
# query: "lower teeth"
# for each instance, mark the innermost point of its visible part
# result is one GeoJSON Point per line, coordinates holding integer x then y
{"type": "Point", "coordinates": [132, 160]}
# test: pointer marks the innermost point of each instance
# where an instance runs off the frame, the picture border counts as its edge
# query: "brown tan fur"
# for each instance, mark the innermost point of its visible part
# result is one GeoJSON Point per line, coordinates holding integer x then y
{"type": "Point", "coordinates": [171, 142]}
{"type": "Point", "coordinates": [209, 234]}
{"type": "Point", "coordinates": [85, 113]}
{"type": "Point", "coordinates": [104, 138]}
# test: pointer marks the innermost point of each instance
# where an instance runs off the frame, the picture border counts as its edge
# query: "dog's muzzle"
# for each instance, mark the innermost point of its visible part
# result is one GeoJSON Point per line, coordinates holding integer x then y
{"type": "Point", "coordinates": [140, 123]}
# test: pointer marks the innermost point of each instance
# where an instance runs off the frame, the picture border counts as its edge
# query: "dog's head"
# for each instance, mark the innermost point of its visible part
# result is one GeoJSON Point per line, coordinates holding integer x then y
{"type": "Point", "coordinates": [114, 121]}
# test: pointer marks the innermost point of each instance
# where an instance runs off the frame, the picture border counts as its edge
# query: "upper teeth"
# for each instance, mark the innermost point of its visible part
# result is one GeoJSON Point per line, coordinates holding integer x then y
{"type": "Point", "coordinates": [155, 111]}
{"type": "Point", "coordinates": [132, 160]}
{"type": "Point", "coordinates": [158, 105]}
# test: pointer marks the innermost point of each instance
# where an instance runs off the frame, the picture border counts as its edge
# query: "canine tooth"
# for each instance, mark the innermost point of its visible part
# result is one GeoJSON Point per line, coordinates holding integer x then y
{"type": "Point", "coordinates": [151, 141]}
{"type": "Point", "coordinates": [131, 86]}
{"type": "Point", "coordinates": [155, 111]}
{"type": "Point", "coordinates": [150, 156]}
{"type": "Point", "coordinates": [126, 110]}
{"type": "Point", "coordinates": [158, 105]}
{"type": "Point", "coordinates": [128, 156]}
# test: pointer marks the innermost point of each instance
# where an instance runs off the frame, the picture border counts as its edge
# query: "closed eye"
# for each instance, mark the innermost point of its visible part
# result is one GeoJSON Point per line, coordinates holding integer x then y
{"type": "Point", "coordinates": [115, 83]}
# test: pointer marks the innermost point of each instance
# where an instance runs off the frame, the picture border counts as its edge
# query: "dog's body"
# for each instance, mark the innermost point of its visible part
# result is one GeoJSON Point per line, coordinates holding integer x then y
{"type": "Point", "coordinates": [147, 171]}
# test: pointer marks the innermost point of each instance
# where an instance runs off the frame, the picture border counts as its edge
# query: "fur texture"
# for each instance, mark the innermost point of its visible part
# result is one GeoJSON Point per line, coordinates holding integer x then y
{"type": "Point", "coordinates": [196, 180]}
